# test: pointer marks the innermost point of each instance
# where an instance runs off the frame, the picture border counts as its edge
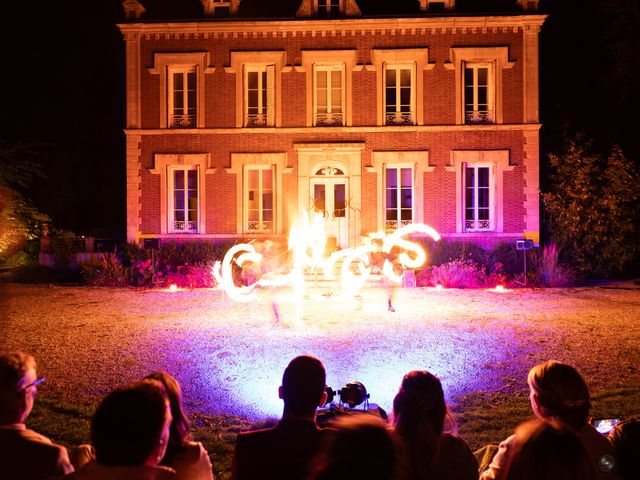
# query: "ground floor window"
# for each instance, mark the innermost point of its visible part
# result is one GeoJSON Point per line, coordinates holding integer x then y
{"type": "Point", "coordinates": [259, 198]}
{"type": "Point", "coordinates": [398, 196]}
{"type": "Point", "coordinates": [183, 208]}
{"type": "Point", "coordinates": [478, 198]}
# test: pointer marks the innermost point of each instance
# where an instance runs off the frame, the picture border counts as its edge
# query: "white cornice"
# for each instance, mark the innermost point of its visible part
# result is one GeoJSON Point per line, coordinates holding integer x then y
{"type": "Point", "coordinates": [409, 25]}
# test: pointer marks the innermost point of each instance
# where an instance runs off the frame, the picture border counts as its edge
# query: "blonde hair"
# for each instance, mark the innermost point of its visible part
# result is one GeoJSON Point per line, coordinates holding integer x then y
{"type": "Point", "coordinates": [13, 368]}
{"type": "Point", "coordinates": [560, 392]}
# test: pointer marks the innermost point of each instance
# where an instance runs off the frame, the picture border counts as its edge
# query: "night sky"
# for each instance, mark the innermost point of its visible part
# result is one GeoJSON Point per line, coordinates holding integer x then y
{"type": "Point", "coordinates": [63, 87]}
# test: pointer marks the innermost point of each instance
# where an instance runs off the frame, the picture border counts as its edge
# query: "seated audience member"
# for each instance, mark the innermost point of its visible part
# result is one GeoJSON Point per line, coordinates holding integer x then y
{"type": "Point", "coordinates": [548, 450]}
{"type": "Point", "coordinates": [626, 439]}
{"type": "Point", "coordinates": [24, 454]}
{"type": "Point", "coordinates": [362, 446]}
{"type": "Point", "coordinates": [286, 450]}
{"type": "Point", "coordinates": [189, 459]}
{"type": "Point", "coordinates": [558, 392]}
{"type": "Point", "coordinates": [420, 416]}
{"type": "Point", "coordinates": [130, 433]}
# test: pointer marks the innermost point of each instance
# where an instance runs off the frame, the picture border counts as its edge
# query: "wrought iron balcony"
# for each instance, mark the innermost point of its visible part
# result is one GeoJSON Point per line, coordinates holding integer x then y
{"type": "Point", "coordinates": [258, 226]}
{"type": "Point", "coordinates": [182, 226]}
{"type": "Point", "coordinates": [477, 225]}
{"type": "Point", "coordinates": [400, 118]}
{"type": "Point", "coordinates": [183, 121]}
{"type": "Point", "coordinates": [256, 120]}
{"type": "Point", "coordinates": [478, 116]}
{"type": "Point", "coordinates": [329, 119]}
{"type": "Point", "coordinates": [393, 225]}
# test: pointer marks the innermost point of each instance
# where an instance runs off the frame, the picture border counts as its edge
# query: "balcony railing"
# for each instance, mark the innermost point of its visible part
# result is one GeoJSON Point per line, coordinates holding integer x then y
{"type": "Point", "coordinates": [256, 120]}
{"type": "Point", "coordinates": [393, 225]}
{"type": "Point", "coordinates": [478, 116]}
{"type": "Point", "coordinates": [258, 226]}
{"type": "Point", "coordinates": [477, 225]}
{"type": "Point", "coordinates": [183, 121]}
{"type": "Point", "coordinates": [185, 226]}
{"type": "Point", "coordinates": [329, 119]}
{"type": "Point", "coordinates": [399, 118]}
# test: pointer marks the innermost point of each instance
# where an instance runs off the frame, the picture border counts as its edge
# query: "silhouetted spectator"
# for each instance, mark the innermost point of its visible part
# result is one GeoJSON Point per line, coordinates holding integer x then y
{"type": "Point", "coordinates": [421, 419]}
{"type": "Point", "coordinates": [626, 439]}
{"type": "Point", "coordinates": [558, 392]}
{"type": "Point", "coordinates": [130, 433]}
{"type": "Point", "coordinates": [362, 446]}
{"type": "Point", "coordinates": [189, 459]}
{"type": "Point", "coordinates": [24, 454]}
{"type": "Point", "coordinates": [548, 450]}
{"type": "Point", "coordinates": [285, 451]}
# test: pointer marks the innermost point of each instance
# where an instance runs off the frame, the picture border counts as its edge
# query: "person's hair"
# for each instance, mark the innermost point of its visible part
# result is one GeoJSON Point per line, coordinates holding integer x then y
{"type": "Point", "coordinates": [419, 416]}
{"type": "Point", "coordinates": [548, 450]}
{"type": "Point", "coordinates": [180, 430]}
{"type": "Point", "coordinates": [362, 446]}
{"type": "Point", "coordinates": [561, 392]}
{"type": "Point", "coordinates": [626, 438]}
{"type": "Point", "coordinates": [303, 384]}
{"type": "Point", "coordinates": [13, 367]}
{"type": "Point", "coordinates": [128, 423]}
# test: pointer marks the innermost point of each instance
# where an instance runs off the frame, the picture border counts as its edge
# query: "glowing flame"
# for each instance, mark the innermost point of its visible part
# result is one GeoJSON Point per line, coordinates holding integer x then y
{"type": "Point", "coordinates": [173, 288]}
{"type": "Point", "coordinates": [307, 243]}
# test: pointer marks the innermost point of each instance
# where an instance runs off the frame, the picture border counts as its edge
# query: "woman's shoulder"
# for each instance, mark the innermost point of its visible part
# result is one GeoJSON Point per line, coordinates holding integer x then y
{"type": "Point", "coordinates": [192, 451]}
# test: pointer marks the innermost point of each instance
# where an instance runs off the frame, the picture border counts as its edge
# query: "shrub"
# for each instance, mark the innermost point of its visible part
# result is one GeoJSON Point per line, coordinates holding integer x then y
{"type": "Point", "coordinates": [191, 276]}
{"type": "Point", "coordinates": [444, 252]}
{"type": "Point", "coordinates": [510, 259]}
{"type": "Point", "coordinates": [553, 274]}
{"type": "Point", "coordinates": [108, 271]}
{"type": "Point", "coordinates": [458, 274]}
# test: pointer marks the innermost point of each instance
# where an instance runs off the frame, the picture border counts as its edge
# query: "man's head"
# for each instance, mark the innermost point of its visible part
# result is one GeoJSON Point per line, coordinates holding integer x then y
{"type": "Point", "coordinates": [131, 425]}
{"type": "Point", "coordinates": [303, 386]}
{"type": "Point", "coordinates": [17, 392]}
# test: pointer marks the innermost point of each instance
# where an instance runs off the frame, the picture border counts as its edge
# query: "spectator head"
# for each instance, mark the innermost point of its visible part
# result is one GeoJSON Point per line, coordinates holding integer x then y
{"type": "Point", "coordinates": [548, 450]}
{"type": "Point", "coordinates": [180, 430]}
{"type": "Point", "coordinates": [362, 446]}
{"type": "Point", "coordinates": [626, 438]}
{"type": "Point", "coordinates": [303, 385]}
{"type": "Point", "coordinates": [419, 414]}
{"type": "Point", "coordinates": [558, 391]}
{"type": "Point", "coordinates": [17, 389]}
{"type": "Point", "coordinates": [131, 425]}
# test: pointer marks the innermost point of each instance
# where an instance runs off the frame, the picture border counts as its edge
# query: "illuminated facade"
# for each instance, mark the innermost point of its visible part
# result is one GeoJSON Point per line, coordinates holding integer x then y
{"type": "Point", "coordinates": [235, 126]}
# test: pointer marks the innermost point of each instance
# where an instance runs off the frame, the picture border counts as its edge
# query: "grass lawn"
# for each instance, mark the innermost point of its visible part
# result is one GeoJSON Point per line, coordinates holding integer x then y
{"type": "Point", "coordinates": [229, 357]}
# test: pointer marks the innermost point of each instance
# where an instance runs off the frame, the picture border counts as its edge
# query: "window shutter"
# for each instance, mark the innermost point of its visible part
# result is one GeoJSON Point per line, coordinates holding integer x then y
{"type": "Point", "coordinates": [271, 95]}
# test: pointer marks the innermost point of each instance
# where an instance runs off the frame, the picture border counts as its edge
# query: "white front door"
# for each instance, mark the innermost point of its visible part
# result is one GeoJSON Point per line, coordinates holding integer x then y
{"type": "Point", "coordinates": [329, 197]}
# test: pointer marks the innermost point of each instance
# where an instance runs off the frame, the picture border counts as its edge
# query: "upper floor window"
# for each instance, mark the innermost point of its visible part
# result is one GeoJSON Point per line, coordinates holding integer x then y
{"type": "Point", "coordinates": [479, 85]}
{"type": "Point", "coordinates": [258, 83]}
{"type": "Point", "coordinates": [399, 95]}
{"type": "Point", "coordinates": [183, 99]}
{"type": "Point", "coordinates": [259, 96]}
{"type": "Point", "coordinates": [329, 8]}
{"type": "Point", "coordinates": [183, 207]}
{"type": "Point", "coordinates": [182, 80]}
{"type": "Point", "coordinates": [398, 196]}
{"type": "Point", "coordinates": [478, 198]}
{"type": "Point", "coordinates": [400, 85]}
{"type": "Point", "coordinates": [478, 93]}
{"type": "Point", "coordinates": [329, 95]}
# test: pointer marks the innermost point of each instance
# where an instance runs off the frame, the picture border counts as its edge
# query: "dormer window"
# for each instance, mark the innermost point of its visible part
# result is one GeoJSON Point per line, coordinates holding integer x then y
{"type": "Point", "coordinates": [328, 8]}
{"type": "Point", "coordinates": [220, 8]}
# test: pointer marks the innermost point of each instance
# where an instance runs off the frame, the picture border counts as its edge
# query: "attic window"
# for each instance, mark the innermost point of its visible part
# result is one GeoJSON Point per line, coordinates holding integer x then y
{"type": "Point", "coordinates": [329, 8]}
{"type": "Point", "coordinates": [436, 7]}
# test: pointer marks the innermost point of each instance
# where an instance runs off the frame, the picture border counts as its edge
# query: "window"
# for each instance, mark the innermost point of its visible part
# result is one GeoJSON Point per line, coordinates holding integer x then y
{"type": "Point", "coordinates": [183, 98]}
{"type": "Point", "coordinates": [398, 197]}
{"type": "Point", "coordinates": [258, 83]}
{"type": "Point", "coordinates": [259, 96]}
{"type": "Point", "coordinates": [400, 85]}
{"type": "Point", "coordinates": [259, 198]}
{"type": "Point", "coordinates": [182, 80]}
{"type": "Point", "coordinates": [329, 91]}
{"type": "Point", "coordinates": [478, 198]}
{"type": "Point", "coordinates": [478, 77]}
{"type": "Point", "coordinates": [183, 200]}
{"type": "Point", "coordinates": [329, 8]}
{"type": "Point", "coordinates": [398, 95]}
{"type": "Point", "coordinates": [478, 93]}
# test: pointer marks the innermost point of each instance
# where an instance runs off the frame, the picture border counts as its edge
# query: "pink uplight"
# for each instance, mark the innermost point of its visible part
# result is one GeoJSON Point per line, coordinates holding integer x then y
{"type": "Point", "coordinates": [439, 287]}
{"type": "Point", "coordinates": [173, 288]}
{"type": "Point", "coordinates": [500, 288]}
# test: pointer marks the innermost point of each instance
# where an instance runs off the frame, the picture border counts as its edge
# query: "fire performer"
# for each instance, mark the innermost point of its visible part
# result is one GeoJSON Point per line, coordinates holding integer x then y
{"type": "Point", "coordinates": [378, 259]}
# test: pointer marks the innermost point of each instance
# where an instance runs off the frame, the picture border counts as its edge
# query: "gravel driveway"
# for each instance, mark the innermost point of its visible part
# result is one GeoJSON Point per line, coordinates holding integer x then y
{"type": "Point", "coordinates": [230, 356]}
